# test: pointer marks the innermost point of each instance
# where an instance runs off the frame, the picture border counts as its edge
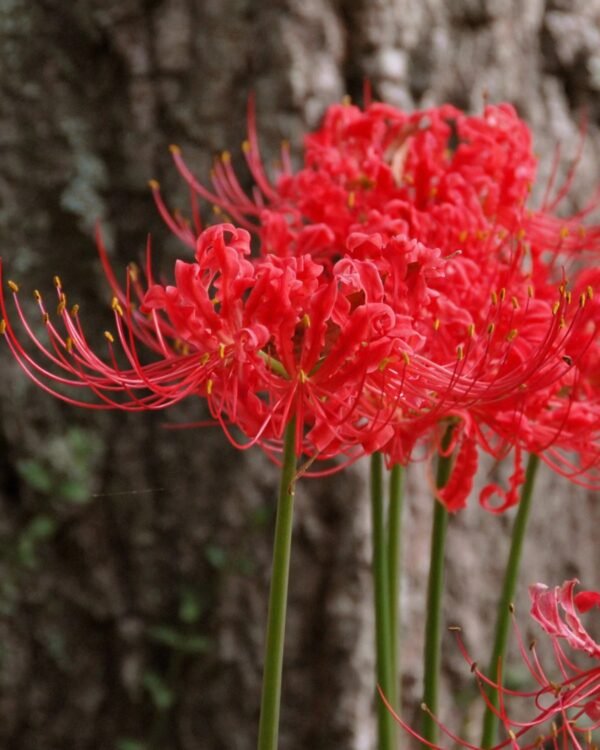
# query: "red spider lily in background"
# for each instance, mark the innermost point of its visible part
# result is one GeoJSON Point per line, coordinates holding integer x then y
{"type": "Point", "coordinates": [563, 710]}
{"type": "Point", "coordinates": [507, 340]}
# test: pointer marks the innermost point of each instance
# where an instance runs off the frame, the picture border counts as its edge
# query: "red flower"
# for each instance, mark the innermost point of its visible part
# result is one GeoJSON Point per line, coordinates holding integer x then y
{"type": "Point", "coordinates": [563, 710]}
{"type": "Point", "coordinates": [261, 339]}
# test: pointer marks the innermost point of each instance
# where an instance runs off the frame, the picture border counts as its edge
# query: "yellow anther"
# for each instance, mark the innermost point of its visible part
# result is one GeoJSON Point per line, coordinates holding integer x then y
{"type": "Point", "coordinates": [60, 308]}
{"type": "Point", "coordinates": [568, 297]}
{"type": "Point", "coordinates": [246, 146]}
{"type": "Point", "coordinates": [564, 232]}
{"type": "Point", "coordinates": [46, 318]}
{"type": "Point", "coordinates": [555, 308]}
{"type": "Point", "coordinates": [561, 290]}
{"type": "Point", "coordinates": [471, 330]}
{"type": "Point", "coordinates": [383, 364]}
{"type": "Point", "coordinates": [302, 376]}
{"type": "Point", "coordinates": [134, 271]}
{"type": "Point", "coordinates": [512, 735]}
{"type": "Point", "coordinates": [512, 335]}
{"type": "Point", "coordinates": [555, 687]}
{"type": "Point", "coordinates": [225, 157]}
{"type": "Point", "coordinates": [37, 296]}
{"type": "Point", "coordinates": [491, 328]}
{"type": "Point", "coordinates": [460, 352]}
{"type": "Point", "coordinates": [175, 150]}
{"type": "Point", "coordinates": [521, 234]}
{"type": "Point", "coordinates": [109, 337]}
{"type": "Point", "coordinates": [204, 358]}
{"type": "Point", "coordinates": [436, 324]}
{"type": "Point", "coordinates": [463, 235]}
{"type": "Point", "coordinates": [154, 184]}
{"type": "Point", "coordinates": [185, 349]}
{"type": "Point", "coordinates": [351, 199]}
{"type": "Point", "coordinates": [209, 386]}
{"type": "Point", "coordinates": [563, 322]}
{"type": "Point", "coordinates": [554, 729]}
{"type": "Point", "coordinates": [482, 234]}
{"type": "Point", "coordinates": [515, 303]}
{"type": "Point", "coordinates": [222, 351]}
{"type": "Point", "coordinates": [306, 320]}
{"type": "Point", "coordinates": [501, 234]}
{"type": "Point", "coordinates": [590, 293]}
{"type": "Point", "coordinates": [74, 311]}
{"type": "Point", "coordinates": [2, 327]}
{"type": "Point", "coordinates": [511, 608]}
{"type": "Point", "coordinates": [69, 344]}
{"type": "Point", "coordinates": [494, 298]}
{"type": "Point", "coordinates": [406, 358]}
{"type": "Point", "coordinates": [57, 281]}
{"type": "Point", "coordinates": [116, 306]}
{"type": "Point", "coordinates": [530, 291]}
{"type": "Point", "coordinates": [217, 210]}
{"type": "Point", "coordinates": [455, 629]}
{"type": "Point", "coordinates": [502, 294]}
{"type": "Point", "coordinates": [346, 100]}
{"type": "Point", "coordinates": [12, 286]}
{"type": "Point", "coordinates": [433, 192]}
{"type": "Point", "coordinates": [582, 300]}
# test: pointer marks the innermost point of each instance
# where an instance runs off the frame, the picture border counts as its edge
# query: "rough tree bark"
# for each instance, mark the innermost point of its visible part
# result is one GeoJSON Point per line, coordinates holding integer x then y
{"type": "Point", "coordinates": [134, 561]}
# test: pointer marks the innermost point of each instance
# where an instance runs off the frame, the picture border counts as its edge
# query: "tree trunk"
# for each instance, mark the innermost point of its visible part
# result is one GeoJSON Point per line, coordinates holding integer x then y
{"type": "Point", "coordinates": [134, 561]}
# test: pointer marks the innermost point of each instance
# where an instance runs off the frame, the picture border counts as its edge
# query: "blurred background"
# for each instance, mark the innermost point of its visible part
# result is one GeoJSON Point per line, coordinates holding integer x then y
{"type": "Point", "coordinates": [134, 560]}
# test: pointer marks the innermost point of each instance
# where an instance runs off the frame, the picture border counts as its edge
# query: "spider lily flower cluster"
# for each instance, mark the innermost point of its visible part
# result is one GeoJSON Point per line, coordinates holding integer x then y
{"type": "Point", "coordinates": [563, 709]}
{"type": "Point", "coordinates": [401, 284]}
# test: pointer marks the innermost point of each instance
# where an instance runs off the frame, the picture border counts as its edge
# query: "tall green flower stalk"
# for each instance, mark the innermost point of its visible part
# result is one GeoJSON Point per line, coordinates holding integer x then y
{"type": "Point", "coordinates": [268, 730]}
{"type": "Point", "coordinates": [394, 550]}
{"type": "Point", "coordinates": [435, 587]}
{"type": "Point", "coordinates": [383, 636]}
{"type": "Point", "coordinates": [511, 575]}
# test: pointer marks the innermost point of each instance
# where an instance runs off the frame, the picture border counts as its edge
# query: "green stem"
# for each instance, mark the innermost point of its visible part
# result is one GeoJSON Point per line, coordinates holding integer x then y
{"type": "Point", "coordinates": [386, 726]}
{"type": "Point", "coordinates": [271, 687]}
{"type": "Point", "coordinates": [394, 548]}
{"type": "Point", "coordinates": [511, 574]}
{"type": "Point", "coordinates": [431, 663]}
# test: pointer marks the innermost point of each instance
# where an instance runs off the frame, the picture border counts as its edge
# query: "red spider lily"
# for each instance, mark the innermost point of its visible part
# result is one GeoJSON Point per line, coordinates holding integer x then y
{"type": "Point", "coordinates": [262, 340]}
{"type": "Point", "coordinates": [561, 712]}
{"type": "Point", "coordinates": [503, 344]}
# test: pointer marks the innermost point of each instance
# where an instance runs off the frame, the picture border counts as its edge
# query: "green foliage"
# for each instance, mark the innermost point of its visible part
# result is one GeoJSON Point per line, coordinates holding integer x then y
{"type": "Point", "coordinates": [178, 641]}
{"type": "Point", "coordinates": [38, 530]}
{"type": "Point", "coordinates": [216, 556]}
{"type": "Point", "coordinates": [191, 606]}
{"type": "Point", "coordinates": [161, 695]}
{"type": "Point", "coordinates": [127, 743]}
{"type": "Point", "coordinates": [64, 467]}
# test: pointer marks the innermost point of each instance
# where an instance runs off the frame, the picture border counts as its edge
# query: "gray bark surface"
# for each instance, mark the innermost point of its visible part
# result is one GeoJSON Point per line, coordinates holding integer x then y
{"type": "Point", "coordinates": [133, 560]}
